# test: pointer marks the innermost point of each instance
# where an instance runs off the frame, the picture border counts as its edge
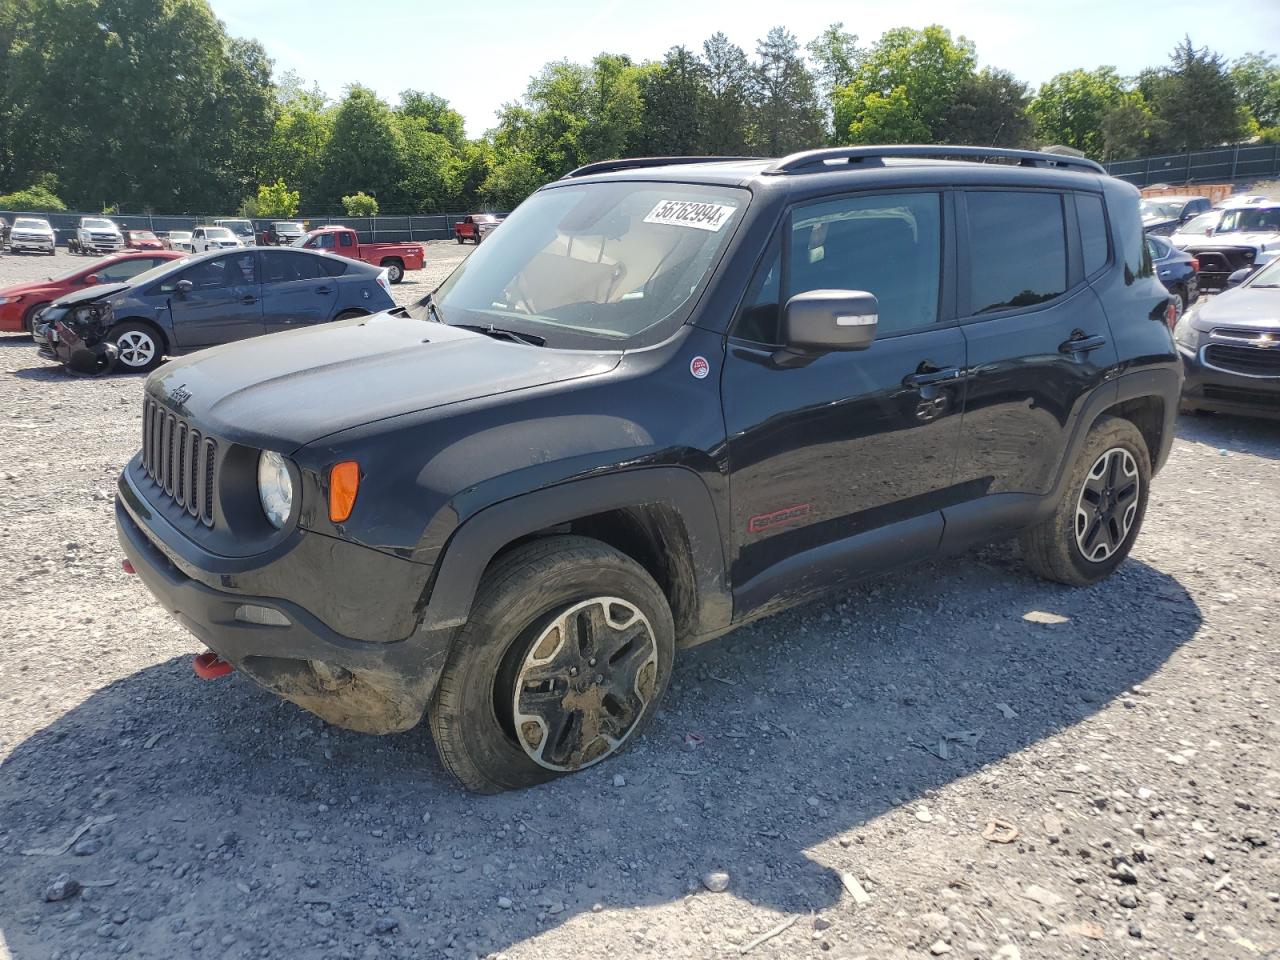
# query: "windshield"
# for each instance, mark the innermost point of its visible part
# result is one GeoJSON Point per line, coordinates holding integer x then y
{"type": "Point", "coordinates": [142, 234]}
{"type": "Point", "coordinates": [1251, 219]}
{"type": "Point", "coordinates": [1268, 276]}
{"type": "Point", "coordinates": [179, 234]}
{"type": "Point", "coordinates": [157, 271]}
{"type": "Point", "coordinates": [24, 223]}
{"type": "Point", "coordinates": [221, 233]}
{"type": "Point", "coordinates": [601, 260]}
{"type": "Point", "coordinates": [1164, 209]}
{"type": "Point", "coordinates": [1202, 224]}
{"type": "Point", "coordinates": [288, 227]}
{"type": "Point", "coordinates": [92, 224]}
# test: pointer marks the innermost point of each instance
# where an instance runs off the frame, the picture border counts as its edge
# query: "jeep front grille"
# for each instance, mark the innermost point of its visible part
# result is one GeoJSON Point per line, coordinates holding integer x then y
{"type": "Point", "coordinates": [179, 459]}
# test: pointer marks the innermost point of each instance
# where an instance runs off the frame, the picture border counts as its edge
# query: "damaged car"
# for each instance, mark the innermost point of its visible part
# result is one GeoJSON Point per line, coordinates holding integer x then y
{"type": "Point", "coordinates": [202, 301]}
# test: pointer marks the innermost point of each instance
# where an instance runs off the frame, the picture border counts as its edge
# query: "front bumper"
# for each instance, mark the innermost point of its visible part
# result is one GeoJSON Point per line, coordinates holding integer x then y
{"type": "Point", "coordinates": [19, 244]}
{"type": "Point", "coordinates": [369, 686]}
{"type": "Point", "coordinates": [1208, 388]}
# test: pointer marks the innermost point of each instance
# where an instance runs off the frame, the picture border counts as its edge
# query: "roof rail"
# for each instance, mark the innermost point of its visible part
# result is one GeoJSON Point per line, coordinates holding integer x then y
{"type": "Point", "coordinates": [631, 163]}
{"type": "Point", "coordinates": [810, 161]}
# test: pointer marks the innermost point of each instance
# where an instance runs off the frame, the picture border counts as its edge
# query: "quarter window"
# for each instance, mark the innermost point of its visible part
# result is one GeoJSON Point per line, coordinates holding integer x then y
{"type": "Point", "coordinates": [1093, 232]}
{"type": "Point", "coordinates": [1017, 249]}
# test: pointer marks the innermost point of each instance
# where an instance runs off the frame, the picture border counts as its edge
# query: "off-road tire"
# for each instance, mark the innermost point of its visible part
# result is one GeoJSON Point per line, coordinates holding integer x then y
{"type": "Point", "coordinates": [519, 596]}
{"type": "Point", "coordinates": [1050, 548]}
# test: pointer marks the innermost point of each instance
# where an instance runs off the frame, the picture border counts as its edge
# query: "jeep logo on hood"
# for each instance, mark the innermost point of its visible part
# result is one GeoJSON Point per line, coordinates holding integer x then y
{"type": "Point", "coordinates": [179, 395]}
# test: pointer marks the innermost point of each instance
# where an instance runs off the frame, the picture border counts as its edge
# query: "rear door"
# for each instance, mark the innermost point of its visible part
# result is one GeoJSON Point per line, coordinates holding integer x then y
{"type": "Point", "coordinates": [1038, 339]}
{"type": "Point", "coordinates": [223, 304]}
{"type": "Point", "coordinates": [296, 292]}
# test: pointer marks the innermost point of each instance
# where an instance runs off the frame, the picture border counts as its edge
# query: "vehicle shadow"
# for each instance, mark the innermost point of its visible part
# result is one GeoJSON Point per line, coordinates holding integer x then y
{"type": "Point", "coordinates": [239, 816]}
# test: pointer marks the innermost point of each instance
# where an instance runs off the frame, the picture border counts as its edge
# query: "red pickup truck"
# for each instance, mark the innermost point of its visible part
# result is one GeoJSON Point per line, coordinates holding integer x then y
{"type": "Point", "coordinates": [475, 226]}
{"type": "Point", "coordinates": [396, 257]}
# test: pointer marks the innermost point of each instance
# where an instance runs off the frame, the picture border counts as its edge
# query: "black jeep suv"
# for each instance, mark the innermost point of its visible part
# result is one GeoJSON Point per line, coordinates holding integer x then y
{"type": "Point", "coordinates": [668, 396]}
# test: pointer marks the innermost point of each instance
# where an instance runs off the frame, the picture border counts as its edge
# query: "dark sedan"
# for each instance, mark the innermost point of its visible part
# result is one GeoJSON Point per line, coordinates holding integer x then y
{"type": "Point", "coordinates": [1230, 347]}
{"type": "Point", "coordinates": [1178, 271]}
{"type": "Point", "coordinates": [204, 300]}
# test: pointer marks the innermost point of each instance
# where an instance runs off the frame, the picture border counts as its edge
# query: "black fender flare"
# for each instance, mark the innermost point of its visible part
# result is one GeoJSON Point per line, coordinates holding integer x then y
{"type": "Point", "coordinates": [478, 539]}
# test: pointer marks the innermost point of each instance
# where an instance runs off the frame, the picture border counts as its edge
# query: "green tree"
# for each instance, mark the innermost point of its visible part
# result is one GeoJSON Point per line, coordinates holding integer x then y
{"type": "Point", "coordinates": [887, 118]}
{"type": "Point", "coordinates": [836, 55]}
{"type": "Point", "coordinates": [725, 101]}
{"type": "Point", "coordinates": [1068, 109]}
{"type": "Point", "coordinates": [363, 150]}
{"type": "Point", "coordinates": [1257, 81]}
{"type": "Point", "coordinates": [276, 200]}
{"type": "Point", "coordinates": [135, 102]}
{"type": "Point", "coordinates": [1128, 127]}
{"type": "Point", "coordinates": [672, 92]}
{"type": "Point", "coordinates": [430, 164]}
{"type": "Point", "coordinates": [36, 198]}
{"type": "Point", "coordinates": [785, 107]}
{"type": "Point", "coordinates": [990, 110]}
{"type": "Point", "coordinates": [299, 143]}
{"type": "Point", "coordinates": [1195, 100]}
{"type": "Point", "coordinates": [514, 177]}
{"type": "Point", "coordinates": [360, 204]}
{"type": "Point", "coordinates": [928, 66]}
{"type": "Point", "coordinates": [434, 114]}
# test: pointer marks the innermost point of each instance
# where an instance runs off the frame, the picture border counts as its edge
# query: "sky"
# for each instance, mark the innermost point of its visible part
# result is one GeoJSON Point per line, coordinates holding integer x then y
{"type": "Point", "coordinates": [479, 54]}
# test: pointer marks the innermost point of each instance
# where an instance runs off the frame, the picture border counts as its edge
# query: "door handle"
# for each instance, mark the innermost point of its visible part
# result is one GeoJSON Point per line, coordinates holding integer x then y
{"type": "Point", "coordinates": [322, 291]}
{"type": "Point", "coordinates": [931, 375]}
{"type": "Point", "coordinates": [1080, 343]}
{"type": "Point", "coordinates": [248, 299]}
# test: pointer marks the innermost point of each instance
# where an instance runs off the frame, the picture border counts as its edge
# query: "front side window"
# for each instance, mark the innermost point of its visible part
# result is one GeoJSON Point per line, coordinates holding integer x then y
{"type": "Point", "coordinates": [1017, 249]}
{"type": "Point", "coordinates": [595, 261]}
{"type": "Point", "coordinates": [231, 271]}
{"type": "Point", "coordinates": [321, 241]}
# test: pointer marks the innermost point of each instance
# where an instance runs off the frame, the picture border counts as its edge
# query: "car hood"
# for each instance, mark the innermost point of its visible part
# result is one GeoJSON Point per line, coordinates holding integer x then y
{"type": "Point", "coordinates": [1240, 307]}
{"type": "Point", "coordinates": [30, 286]}
{"type": "Point", "coordinates": [97, 291]}
{"type": "Point", "coordinates": [289, 389]}
{"type": "Point", "coordinates": [1232, 239]}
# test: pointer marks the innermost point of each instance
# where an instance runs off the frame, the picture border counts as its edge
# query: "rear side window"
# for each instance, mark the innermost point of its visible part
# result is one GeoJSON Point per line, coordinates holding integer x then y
{"type": "Point", "coordinates": [345, 239]}
{"type": "Point", "coordinates": [1093, 232]}
{"type": "Point", "coordinates": [1017, 249]}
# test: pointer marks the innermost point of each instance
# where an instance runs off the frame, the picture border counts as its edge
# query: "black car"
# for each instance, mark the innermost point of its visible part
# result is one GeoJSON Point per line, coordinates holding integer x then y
{"type": "Point", "coordinates": [667, 397]}
{"type": "Point", "coordinates": [1164, 215]}
{"type": "Point", "coordinates": [1230, 347]}
{"type": "Point", "coordinates": [205, 300]}
{"type": "Point", "coordinates": [1177, 270]}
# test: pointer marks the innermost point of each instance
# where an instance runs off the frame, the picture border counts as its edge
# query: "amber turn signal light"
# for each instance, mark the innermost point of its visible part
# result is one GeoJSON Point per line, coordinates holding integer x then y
{"type": "Point", "coordinates": [344, 483]}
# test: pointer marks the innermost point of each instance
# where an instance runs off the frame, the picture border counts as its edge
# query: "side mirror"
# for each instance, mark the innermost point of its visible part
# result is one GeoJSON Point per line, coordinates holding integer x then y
{"type": "Point", "coordinates": [822, 321]}
{"type": "Point", "coordinates": [91, 279]}
{"type": "Point", "coordinates": [183, 287]}
{"type": "Point", "coordinates": [1239, 277]}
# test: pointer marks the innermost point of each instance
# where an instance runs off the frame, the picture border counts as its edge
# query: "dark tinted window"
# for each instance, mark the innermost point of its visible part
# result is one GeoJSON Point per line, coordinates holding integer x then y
{"type": "Point", "coordinates": [323, 241]}
{"type": "Point", "coordinates": [1093, 231]}
{"type": "Point", "coordinates": [231, 271]}
{"type": "Point", "coordinates": [345, 239]}
{"type": "Point", "coordinates": [758, 319]}
{"type": "Point", "coordinates": [333, 266]}
{"type": "Point", "coordinates": [1017, 249]}
{"type": "Point", "coordinates": [281, 267]}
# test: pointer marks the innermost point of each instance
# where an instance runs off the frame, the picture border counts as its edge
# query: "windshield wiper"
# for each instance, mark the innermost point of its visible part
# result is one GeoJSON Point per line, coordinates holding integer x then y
{"type": "Point", "coordinates": [528, 339]}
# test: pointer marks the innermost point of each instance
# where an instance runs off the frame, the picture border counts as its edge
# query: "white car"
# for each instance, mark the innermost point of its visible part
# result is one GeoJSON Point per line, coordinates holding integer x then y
{"type": "Point", "coordinates": [212, 238]}
{"type": "Point", "coordinates": [31, 233]}
{"type": "Point", "coordinates": [243, 230]}
{"type": "Point", "coordinates": [1243, 238]}
{"type": "Point", "coordinates": [178, 240]}
{"type": "Point", "coordinates": [96, 235]}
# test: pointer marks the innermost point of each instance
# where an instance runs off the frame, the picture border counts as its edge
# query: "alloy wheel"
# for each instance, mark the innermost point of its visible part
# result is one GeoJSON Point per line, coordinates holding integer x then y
{"type": "Point", "coordinates": [1107, 505]}
{"type": "Point", "coordinates": [135, 348]}
{"type": "Point", "coordinates": [585, 684]}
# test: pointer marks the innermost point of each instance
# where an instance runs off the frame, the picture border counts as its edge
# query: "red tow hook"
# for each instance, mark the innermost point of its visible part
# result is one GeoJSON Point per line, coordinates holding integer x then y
{"type": "Point", "coordinates": [127, 567]}
{"type": "Point", "coordinates": [210, 666]}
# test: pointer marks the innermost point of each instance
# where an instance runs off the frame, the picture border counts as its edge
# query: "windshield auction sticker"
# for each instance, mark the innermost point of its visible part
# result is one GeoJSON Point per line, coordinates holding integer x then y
{"type": "Point", "coordinates": [690, 213]}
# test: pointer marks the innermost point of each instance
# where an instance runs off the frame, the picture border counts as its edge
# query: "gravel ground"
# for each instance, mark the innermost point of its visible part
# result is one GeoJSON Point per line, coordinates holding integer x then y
{"type": "Point", "coordinates": [845, 771]}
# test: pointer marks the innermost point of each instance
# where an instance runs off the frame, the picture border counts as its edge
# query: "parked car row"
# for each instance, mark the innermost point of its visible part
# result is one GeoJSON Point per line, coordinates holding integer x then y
{"type": "Point", "coordinates": [1240, 235]}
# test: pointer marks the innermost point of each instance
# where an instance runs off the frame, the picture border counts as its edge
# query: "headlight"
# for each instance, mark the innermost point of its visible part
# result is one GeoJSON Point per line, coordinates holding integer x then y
{"type": "Point", "coordinates": [1184, 334]}
{"type": "Point", "coordinates": [275, 488]}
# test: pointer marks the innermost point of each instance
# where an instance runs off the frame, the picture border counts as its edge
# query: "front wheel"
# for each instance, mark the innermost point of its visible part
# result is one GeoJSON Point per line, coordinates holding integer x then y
{"type": "Point", "coordinates": [561, 664]}
{"type": "Point", "coordinates": [137, 347]}
{"type": "Point", "coordinates": [1100, 512]}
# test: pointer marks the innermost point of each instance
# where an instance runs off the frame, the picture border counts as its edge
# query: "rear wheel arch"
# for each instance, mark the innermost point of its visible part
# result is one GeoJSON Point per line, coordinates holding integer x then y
{"type": "Point", "coordinates": [349, 314]}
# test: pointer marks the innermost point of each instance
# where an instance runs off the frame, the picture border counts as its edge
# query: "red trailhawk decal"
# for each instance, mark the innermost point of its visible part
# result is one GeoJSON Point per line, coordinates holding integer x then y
{"type": "Point", "coordinates": [699, 367]}
{"type": "Point", "coordinates": [779, 518]}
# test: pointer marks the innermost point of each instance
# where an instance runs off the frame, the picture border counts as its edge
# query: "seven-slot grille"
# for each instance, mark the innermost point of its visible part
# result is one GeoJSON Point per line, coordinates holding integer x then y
{"type": "Point", "coordinates": [179, 460]}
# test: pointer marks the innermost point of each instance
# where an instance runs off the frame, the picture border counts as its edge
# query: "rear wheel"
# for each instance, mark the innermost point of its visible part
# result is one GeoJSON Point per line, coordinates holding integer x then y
{"type": "Point", "coordinates": [458, 237]}
{"type": "Point", "coordinates": [395, 270]}
{"type": "Point", "coordinates": [1100, 512]}
{"type": "Point", "coordinates": [561, 664]}
{"type": "Point", "coordinates": [137, 346]}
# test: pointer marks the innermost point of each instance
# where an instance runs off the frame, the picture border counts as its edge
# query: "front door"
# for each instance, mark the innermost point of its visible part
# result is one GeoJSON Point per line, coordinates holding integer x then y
{"type": "Point", "coordinates": [223, 304]}
{"type": "Point", "coordinates": [296, 292]}
{"type": "Point", "coordinates": [850, 446]}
